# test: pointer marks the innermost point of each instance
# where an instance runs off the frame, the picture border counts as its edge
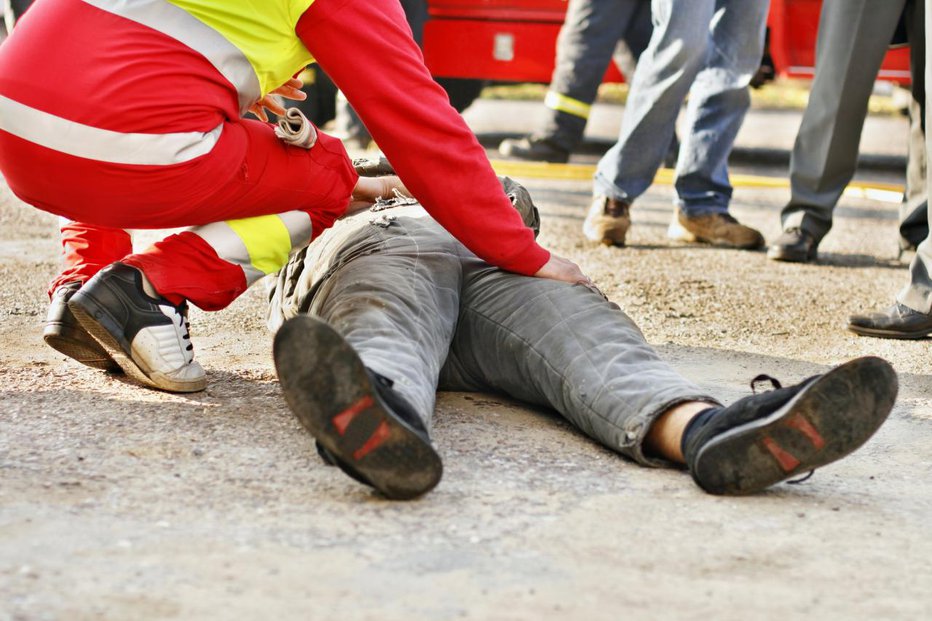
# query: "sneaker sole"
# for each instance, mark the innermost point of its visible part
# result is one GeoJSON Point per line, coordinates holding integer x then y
{"type": "Point", "coordinates": [94, 318]}
{"type": "Point", "coordinates": [326, 385]}
{"type": "Point", "coordinates": [60, 337]}
{"type": "Point", "coordinates": [827, 420]}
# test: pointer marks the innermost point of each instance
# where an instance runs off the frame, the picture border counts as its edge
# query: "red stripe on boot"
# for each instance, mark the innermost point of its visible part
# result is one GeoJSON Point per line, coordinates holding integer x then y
{"type": "Point", "coordinates": [379, 436]}
{"type": "Point", "coordinates": [785, 459]}
{"type": "Point", "coordinates": [807, 429]}
{"type": "Point", "coordinates": [342, 420]}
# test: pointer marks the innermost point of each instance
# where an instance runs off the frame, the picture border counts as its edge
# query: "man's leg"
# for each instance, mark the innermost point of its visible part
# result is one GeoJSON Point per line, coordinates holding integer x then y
{"type": "Point", "coordinates": [587, 40]}
{"type": "Point", "coordinates": [677, 51]}
{"type": "Point", "coordinates": [566, 347]}
{"type": "Point", "coordinates": [364, 383]}
{"type": "Point", "coordinates": [914, 223]}
{"type": "Point", "coordinates": [853, 38]}
{"type": "Point", "coordinates": [910, 317]}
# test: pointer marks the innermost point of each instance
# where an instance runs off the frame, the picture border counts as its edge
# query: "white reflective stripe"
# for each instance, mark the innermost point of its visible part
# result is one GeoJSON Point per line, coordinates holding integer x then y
{"type": "Point", "coordinates": [180, 25]}
{"type": "Point", "coordinates": [562, 103]}
{"type": "Point", "coordinates": [103, 145]}
{"type": "Point", "coordinates": [298, 224]}
{"type": "Point", "coordinates": [228, 247]}
{"type": "Point", "coordinates": [231, 247]}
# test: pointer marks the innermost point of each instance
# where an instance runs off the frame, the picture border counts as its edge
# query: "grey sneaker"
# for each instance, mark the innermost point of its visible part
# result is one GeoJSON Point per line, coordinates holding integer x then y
{"type": "Point", "coordinates": [147, 336]}
{"type": "Point", "coordinates": [718, 229]}
{"type": "Point", "coordinates": [63, 333]}
{"type": "Point", "coordinates": [607, 221]}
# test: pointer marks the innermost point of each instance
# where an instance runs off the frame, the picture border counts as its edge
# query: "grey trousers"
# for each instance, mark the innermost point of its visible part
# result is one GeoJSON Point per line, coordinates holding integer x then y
{"type": "Point", "coordinates": [854, 36]}
{"type": "Point", "coordinates": [917, 294]}
{"type": "Point", "coordinates": [588, 39]}
{"type": "Point", "coordinates": [423, 311]}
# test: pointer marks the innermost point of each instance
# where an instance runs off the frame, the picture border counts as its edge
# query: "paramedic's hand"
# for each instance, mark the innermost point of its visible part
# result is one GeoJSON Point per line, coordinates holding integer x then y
{"type": "Point", "coordinates": [289, 90]}
{"type": "Point", "coordinates": [559, 268]}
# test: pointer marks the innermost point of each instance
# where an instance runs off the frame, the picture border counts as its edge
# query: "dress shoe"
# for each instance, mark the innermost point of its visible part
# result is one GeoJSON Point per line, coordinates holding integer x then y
{"type": "Point", "coordinates": [608, 221]}
{"type": "Point", "coordinates": [795, 246]}
{"type": "Point", "coordinates": [896, 322]}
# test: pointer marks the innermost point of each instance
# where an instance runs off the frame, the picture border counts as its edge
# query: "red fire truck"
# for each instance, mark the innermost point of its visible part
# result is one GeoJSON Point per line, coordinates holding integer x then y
{"type": "Point", "coordinates": [468, 43]}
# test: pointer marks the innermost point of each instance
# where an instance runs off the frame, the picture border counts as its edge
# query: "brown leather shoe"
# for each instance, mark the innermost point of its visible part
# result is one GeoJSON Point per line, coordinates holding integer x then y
{"type": "Point", "coordinates": [607, 221]}
{"type": "Point", "coordinates": [718, 229]}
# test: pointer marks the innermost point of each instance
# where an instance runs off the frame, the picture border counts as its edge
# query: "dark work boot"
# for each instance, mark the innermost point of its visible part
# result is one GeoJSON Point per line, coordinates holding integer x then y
{"type": "Point", "coordinates": [63, 333]}
{"type": "Point", "coordinates": [795, 246]}
{"type": "Point", "coordinates": [770, 437]}
{"type": "Point", "coordinates": [361, 424]}
{"type": "Point", "coordinates": [535, 149]}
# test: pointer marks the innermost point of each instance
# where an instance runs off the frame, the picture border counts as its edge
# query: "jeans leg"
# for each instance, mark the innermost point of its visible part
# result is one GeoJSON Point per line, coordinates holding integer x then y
{"type": "Point", "coordinates": [718, 101]}
{"type": "Point", "coordinates": [393, 295]}
{"type": "Point", "coordinates": [587, 40]}
{"type": "Point", "coordinates": [565, 347]}
{"type": "Point", "coordinates": [677, 51]}
{"type": "Point", "coordinates": [853, 38]}
{"type": "Point", "coordinates": [914, 222]}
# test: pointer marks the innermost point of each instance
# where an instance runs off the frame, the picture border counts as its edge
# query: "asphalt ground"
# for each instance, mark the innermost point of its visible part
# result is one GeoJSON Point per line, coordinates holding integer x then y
{"type": "Point", "coordinates": [118, 502]}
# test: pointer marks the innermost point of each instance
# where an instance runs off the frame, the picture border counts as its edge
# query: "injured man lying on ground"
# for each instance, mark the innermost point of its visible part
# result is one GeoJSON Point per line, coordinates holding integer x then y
{"type": "Point", "coordinates": [386, 308]}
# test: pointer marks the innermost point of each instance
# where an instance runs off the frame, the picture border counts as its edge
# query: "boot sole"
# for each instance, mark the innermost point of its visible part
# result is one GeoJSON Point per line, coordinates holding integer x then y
{"type": "Point", "coordinates": [827, 420]}
{"type": "Point", "coordinates": [326, 385]}
{"type": "Point", "coordinates": [101, 325]}
{"type": "Point", "coordinates": [60, 337]}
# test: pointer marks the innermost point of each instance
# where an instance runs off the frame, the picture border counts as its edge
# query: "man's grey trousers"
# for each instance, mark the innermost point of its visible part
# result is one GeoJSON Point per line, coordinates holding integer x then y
{"type": "Point", "coordinates": [423, 311]}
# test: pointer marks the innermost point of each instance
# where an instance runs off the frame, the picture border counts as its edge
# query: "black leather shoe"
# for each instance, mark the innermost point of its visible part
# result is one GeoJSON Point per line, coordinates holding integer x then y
{"type": "Point", "coordinates": [63, 333]}
{"type": "Point", "coordinates": [794, 245]}
{"type": "Point", "coordinates": [535, 149]}
{"type": "Point", "coordinates": [896, 322]}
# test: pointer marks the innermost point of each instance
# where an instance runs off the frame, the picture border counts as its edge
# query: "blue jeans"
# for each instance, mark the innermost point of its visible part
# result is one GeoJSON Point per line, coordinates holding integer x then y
{"type": "Point", "coordinates": [707, 49]}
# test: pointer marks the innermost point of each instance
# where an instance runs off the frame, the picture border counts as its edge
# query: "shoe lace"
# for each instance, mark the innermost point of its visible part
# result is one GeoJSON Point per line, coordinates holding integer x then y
{"type": "Point", "coordinates": [185, 325]}
{"type": "Point", "coordinates": [776, 385]}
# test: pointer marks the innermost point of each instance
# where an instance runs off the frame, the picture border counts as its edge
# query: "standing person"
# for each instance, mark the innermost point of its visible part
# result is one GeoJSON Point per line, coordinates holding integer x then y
{"type": "Point", "coordinates": [853, 38]}
{"type": "Point", "coordinates": [708, 50]}
{"type": "Point", "coordinates": [910, 316]}
{"type": "Point", "coordinates": [143, 128]}
{"type": "Point", "coordinates": [591, 31]}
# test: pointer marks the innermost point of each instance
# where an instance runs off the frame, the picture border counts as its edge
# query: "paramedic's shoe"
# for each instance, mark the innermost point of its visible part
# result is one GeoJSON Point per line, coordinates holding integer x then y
{"type": "Point", "coordinates": [534, 149]}
{"type": "Point", "coordinates": [608, 221]}
{"type": "Point", "coordinates": [64, 334]}
{"type": "Point", "coordinates": [770, 437]}
{"type": "Point", "coordinates": [361, 424]}
{"type": "Point", "coordinates": [718, 229]}
{"type": "Point", "coordinates": [147, 336]}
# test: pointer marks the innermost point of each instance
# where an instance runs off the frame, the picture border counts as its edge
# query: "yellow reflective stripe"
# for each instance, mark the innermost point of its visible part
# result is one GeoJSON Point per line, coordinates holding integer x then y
{"type": "Point", "coordinates": [267, 241]}
{"type": "Point", "coordinates": [103, 145]}
{"type": "Point", "coordinates": [182, 26]}
{"type": "Point", "coordinates": [263, 30]}
{"type": "Point", "coordinates": [562, 103]}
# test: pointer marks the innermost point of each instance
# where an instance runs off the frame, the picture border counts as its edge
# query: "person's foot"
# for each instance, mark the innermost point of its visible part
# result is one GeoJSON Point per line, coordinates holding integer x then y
{"type": "Point", "coordinates": [607, 221]}
{"type": "Point", "coordinates": [718, 229]}
{"type": "Point", "coordinates": [795, 246]}
{"type": "Point", "coordinates": [63, 333]}
{"type": "Point", "coordinates": [360, 422]}
{"type": "Point", "coordinates": [146, 335]}
{"type": "Point", "coordinates": [535, 149]}
{"type": "Point", "coordinates": [896, 322]}
{"type": "Point", "coordinates": [770, 437]}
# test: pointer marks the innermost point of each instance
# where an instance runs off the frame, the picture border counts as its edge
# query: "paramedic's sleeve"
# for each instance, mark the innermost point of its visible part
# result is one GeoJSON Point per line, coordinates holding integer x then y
{"type": "Point", "coordinates": [365, 46]}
